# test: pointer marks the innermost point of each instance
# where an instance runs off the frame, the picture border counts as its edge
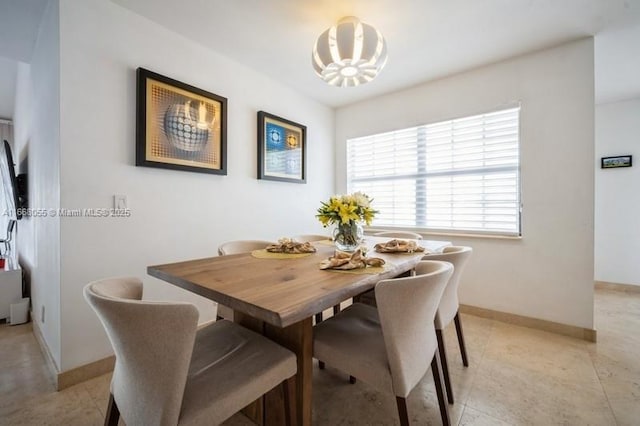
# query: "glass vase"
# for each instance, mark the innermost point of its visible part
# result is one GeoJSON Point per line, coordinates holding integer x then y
{"type": "Point", "coordinates": [348, 236]}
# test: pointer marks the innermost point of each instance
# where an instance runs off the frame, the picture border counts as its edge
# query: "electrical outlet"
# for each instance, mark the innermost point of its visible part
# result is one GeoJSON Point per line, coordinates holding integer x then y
{"type": "Point", "coordinates": [42, 314]}
{"type": "Point", "coordinates": [120, 202]}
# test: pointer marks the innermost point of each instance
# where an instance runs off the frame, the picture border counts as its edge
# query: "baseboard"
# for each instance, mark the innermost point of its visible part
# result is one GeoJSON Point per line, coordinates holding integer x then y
{"type": "Point", "coordinates": [587, 334]}
{"type": "Point", "coordinates": [628, 288]}
{"type": "Point", "coordinates": [65, 379]}
{"type": "Point", "coordinates": [86, 372]}
{"type": "Point", "coordinates": [44, 348]}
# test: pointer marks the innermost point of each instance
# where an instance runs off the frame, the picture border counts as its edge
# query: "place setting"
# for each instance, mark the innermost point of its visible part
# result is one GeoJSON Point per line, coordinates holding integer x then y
{"type": "Point", "coordinates": [401, 247]}
{"type": "Point", "coordinates": [356, 262]}
{"type": "Point", "coordinates": [285, 248]}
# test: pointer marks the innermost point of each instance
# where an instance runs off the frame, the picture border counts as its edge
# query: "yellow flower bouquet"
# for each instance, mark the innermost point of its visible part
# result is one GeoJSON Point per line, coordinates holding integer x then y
{"type": "Point", "coordinates": [347, 211]}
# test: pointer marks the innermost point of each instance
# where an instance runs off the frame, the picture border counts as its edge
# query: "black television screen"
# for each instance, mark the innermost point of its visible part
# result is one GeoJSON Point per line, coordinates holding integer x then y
{"type": "Point", "coordinates": [9, 185]}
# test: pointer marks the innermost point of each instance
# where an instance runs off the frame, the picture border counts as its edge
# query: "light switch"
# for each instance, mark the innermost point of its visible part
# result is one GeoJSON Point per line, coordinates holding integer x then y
{"type": "Point", "coordinates": [120, 202]}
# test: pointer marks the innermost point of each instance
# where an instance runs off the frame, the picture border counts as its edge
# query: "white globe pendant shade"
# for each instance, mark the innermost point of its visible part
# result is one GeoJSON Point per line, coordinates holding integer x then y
{"type": "Point", "coordinates": [350, 53]}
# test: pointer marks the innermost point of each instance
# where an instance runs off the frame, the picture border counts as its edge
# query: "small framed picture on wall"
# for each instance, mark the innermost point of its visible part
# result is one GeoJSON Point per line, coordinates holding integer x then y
{"type": "Point", "coordinates": [282, 149]}
{"type": "Point", "coordinates": [615, 162]}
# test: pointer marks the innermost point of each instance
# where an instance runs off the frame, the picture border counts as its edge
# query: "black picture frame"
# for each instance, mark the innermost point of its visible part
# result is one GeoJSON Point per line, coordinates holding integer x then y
{"type": "Point", "coordinates": [615, 162]}
{"type": "Point", "coordinates": [179, 126]}
{"type": "Point", "coordinates": [282, 149]}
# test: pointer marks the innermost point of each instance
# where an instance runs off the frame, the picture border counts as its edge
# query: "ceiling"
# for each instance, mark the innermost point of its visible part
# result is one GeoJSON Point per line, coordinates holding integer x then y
{"type": "Point", "coordinates": [427, 39]}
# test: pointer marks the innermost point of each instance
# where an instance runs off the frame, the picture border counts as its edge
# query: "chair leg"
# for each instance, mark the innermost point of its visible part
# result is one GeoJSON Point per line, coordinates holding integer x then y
{"type": "Point", "coordinates": [445, 366]}
{"type": "Point", "coordinates": [437, 379]}
{"type": "Point", "coordinates": [336, 309]}
{"type": "Point", "coordinates": [318, 321]}
{"type": "Point", "coordinates": [403, 413]}
{"type": "Point", "coordinates": [113, 413]}
{"type": "Point", "coordinates": [352, 380]}
{"type": "Point", "coordinates": [288, 388]}
{"type": "Point", "coordinates": [463, 349]}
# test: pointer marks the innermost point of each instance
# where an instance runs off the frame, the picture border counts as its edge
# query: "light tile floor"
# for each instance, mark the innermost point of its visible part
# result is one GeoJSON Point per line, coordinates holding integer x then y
{"type": "Point", "coordinates": [517, 376]}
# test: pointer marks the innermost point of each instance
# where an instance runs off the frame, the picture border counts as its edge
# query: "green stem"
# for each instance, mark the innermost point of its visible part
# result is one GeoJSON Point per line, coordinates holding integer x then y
{"type": "Point", "coordinates": [349, 232]}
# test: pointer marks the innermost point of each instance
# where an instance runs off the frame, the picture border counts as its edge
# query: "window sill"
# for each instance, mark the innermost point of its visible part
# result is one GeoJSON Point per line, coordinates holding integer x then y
{"type": "Point", "coordinates": [371, 231]}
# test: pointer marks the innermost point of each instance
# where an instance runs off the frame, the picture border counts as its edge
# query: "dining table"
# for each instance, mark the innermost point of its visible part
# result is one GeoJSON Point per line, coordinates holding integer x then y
{"type": "Point", "coordinates": [277, 295]}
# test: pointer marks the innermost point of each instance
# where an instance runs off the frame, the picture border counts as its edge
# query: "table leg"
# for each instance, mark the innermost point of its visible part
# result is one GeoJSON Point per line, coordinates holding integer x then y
{"type": "Point", "coordinates": [298, 338]}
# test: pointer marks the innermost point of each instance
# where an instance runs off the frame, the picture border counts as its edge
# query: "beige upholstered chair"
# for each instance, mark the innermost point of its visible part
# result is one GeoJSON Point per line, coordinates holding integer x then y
{"type": "Point", "coordinates": [368, 296]}
{"type": "Point", "coordinates": [390, 348]}
{"type": "Point", "coordinates": [449, 305]}
{"type": "Point", "coordinates": [167, 372]}
{"type": "Point", "coordinates": [237, 247]}
{"type": "Point", "coordinates": [398, 234]}
{"type": "Point", "coordinates": [310, 237]}
{"type": "Point", "coordinates": [241, 246]}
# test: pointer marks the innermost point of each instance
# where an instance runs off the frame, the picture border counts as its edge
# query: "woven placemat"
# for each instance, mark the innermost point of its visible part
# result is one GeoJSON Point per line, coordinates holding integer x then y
{"type": "Point", "coordinates": [373, 270]}
{"type": "Point", "coordinates": [264, 254]}
{"type": "Point", "coordinates": [425, 252]}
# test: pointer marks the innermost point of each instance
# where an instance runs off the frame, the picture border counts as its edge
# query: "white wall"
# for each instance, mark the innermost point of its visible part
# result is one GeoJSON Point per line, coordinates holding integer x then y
{"type": "Point", "coordinates": [23, 115]}
{"type": "Point", "coordinates": [8, 70]}
{"type": "Point", "coordinates": [617, 195]}
{"type": "Point", "coordinates": [37, 145]}
{"type": "Point", "coordinates": [22, 110]}
{"type": "Point", "coordinates": [548, 274]}
{"type": "Point", "coordinates": [176, 215]}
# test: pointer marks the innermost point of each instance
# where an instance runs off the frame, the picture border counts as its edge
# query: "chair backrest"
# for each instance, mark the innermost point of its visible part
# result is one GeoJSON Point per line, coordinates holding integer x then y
{"type": "Point", "coordinates": [310, 237]}
{"type": "Point", "coordinates": [241, 246]}
{"type": "Point", "coordinates": [458, 256]}
{"type": "Point", "coordinates": [399, 234]}
{"type": "Point", "coordinates": [153, 343]}
{"type": "Point", "coordinates": [407, 308]}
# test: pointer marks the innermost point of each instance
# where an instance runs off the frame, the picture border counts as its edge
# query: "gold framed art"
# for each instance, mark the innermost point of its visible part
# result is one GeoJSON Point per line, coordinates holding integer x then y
{"type": "Point", "coordinates": [179, 126]}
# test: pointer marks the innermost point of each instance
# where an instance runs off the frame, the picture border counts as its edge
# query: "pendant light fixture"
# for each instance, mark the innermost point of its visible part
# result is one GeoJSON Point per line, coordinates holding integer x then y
{"type": "Point", "coordinates": [350, 53]}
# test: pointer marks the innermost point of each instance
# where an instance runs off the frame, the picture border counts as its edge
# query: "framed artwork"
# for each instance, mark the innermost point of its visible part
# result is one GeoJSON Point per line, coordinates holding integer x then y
{"type": "Point", "coordinates": [179, 126]}
{"type": "Point", "coordinates": [613, 162]}
{"type": "Point", "coordinates": [282, 149]}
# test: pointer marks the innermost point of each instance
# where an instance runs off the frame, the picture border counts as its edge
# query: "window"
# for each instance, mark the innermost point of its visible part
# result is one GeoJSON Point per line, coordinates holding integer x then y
{"type": "Point", "coordinates": [459, 175]}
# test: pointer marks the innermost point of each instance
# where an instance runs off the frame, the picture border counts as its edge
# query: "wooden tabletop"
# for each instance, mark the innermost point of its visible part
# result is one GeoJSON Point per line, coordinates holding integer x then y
{"type": "Point", "coordinates": [282, 292]}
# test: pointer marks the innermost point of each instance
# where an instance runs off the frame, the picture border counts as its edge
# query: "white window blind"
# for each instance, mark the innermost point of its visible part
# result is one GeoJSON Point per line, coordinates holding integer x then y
{"type": "Point", "coordinates": [457, 175]}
